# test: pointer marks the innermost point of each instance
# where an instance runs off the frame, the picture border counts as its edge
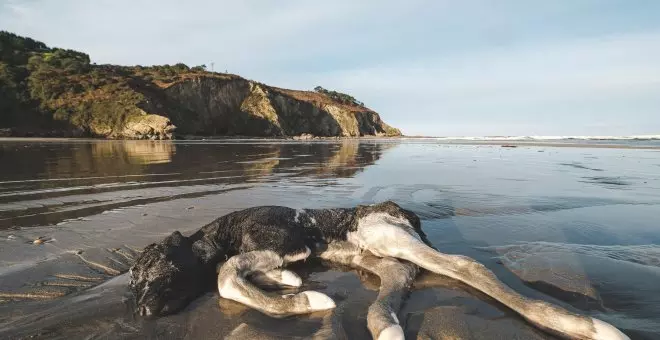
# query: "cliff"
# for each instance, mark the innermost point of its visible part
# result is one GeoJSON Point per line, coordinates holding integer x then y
{"type": "Point", "coordinates": [56, 92]}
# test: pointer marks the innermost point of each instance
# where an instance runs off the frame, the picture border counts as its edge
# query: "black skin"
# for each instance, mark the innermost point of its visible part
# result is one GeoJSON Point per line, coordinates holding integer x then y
{"type": "Point", "coordinates": [160, 276]}
{"type": "Point", "coordinates": [170, 274]}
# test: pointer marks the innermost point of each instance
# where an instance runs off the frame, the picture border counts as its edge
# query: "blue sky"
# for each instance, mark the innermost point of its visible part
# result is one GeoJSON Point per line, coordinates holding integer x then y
{"type": "Point", "coordinates": [447, 68]}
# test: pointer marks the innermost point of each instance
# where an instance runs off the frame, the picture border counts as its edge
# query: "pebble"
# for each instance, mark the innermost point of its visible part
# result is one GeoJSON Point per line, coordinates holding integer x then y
{"type": "Point", "coordinates": [38, 241]}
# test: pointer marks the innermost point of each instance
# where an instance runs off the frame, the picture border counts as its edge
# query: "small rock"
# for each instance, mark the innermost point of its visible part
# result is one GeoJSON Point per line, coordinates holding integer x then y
{"type": "Point", "coordinates": [190, 208]}
{"type": "Point", "coordinates": [304, 136]}
{"type": "Point", "coordinates": [38, 241]}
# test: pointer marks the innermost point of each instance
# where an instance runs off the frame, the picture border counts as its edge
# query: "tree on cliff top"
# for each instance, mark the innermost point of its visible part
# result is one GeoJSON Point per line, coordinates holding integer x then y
{"type": "Point", "coordinates": [60, 88]}
{"type": "Point", "coordinates": [340, 97]}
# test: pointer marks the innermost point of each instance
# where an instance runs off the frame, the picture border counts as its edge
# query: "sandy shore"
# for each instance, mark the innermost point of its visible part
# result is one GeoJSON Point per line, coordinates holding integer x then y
{"type": "Point", "coordinates": [436, 309]}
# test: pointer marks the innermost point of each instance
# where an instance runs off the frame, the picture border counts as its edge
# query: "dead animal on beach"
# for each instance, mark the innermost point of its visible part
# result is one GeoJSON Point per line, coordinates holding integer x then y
{"type": "Point", "coordinates": [263, 241]}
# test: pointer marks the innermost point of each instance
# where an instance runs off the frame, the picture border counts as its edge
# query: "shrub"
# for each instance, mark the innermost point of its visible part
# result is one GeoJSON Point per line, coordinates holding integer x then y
{"type": "Point", "coordinates": [339, 97]}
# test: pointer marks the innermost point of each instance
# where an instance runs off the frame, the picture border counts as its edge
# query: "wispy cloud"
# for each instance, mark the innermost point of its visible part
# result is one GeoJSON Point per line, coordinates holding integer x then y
{"type": "Point", "coordinates": [554, 88]}
{"type": "Point", "coordinates": [429, 67]}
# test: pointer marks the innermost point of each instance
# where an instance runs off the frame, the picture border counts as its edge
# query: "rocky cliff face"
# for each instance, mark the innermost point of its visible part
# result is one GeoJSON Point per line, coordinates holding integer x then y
{"type": "Point", "coordinates": [59, 93]}
{"type": "Point", "coordinates": [230, 105]}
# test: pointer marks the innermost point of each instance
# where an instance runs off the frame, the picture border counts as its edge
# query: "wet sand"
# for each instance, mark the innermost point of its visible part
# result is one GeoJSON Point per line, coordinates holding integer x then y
{"type": "Point", "coordinates": [575, 226]}
{"type": "Point", "coordinates": [436, 309]}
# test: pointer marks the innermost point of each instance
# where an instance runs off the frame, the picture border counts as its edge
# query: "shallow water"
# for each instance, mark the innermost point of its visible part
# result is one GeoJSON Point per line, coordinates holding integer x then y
{"type": "Point", "coordinates": [577, 226]}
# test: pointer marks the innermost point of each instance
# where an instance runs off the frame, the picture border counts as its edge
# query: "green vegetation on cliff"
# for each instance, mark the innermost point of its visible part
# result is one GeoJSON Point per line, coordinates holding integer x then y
{"type": "Point", "coordinates": [340, 97]}
{"type": "Point", "coordinates": [58, 92]}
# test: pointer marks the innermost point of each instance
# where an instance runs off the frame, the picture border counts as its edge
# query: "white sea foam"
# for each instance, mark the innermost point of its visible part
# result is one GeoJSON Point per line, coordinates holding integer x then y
{"type": "Point", "coordinates": [541, 138]}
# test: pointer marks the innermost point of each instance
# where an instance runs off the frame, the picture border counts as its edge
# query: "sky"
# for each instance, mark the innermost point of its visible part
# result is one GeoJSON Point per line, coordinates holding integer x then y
{"type": "Point", "coordinates": [435, 68]}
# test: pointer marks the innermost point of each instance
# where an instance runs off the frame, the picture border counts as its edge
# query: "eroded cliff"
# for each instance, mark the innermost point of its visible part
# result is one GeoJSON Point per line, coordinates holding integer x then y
{"type": "Point", "coordinates": [231, 105]}
{"type": "Point", "coordinates": [56, 92]}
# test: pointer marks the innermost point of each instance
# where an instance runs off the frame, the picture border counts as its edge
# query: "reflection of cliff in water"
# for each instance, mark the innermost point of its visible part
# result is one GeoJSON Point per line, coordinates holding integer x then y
{"type": "Point", "coordinates": [111, 158]}
{"type": "Point", "coordinates": [136, 152]}
{"type": "Point", "coordinates": [50, 182]}
{"type": "Point", "coordinates": [70, 160]}
{"type": "Point", "coordinates": [342, 160]}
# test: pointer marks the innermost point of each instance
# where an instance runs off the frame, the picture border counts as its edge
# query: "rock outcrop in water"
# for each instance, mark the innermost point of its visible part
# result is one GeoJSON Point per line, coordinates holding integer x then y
{"type": "Point", "coordinates": [147, 127]}
{"type": "Point", "coordinates": [55, 92]}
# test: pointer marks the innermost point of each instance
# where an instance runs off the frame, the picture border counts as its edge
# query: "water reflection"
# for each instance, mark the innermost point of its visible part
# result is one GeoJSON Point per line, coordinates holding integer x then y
{"type": "Point", "coordinates": [52, 182]}
{"type": "Point", "coordinates": [135, 152]}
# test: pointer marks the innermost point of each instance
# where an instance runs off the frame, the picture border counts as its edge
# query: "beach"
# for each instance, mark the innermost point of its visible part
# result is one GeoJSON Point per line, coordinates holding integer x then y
{"type": "Point", "coordinates": [571, 222]}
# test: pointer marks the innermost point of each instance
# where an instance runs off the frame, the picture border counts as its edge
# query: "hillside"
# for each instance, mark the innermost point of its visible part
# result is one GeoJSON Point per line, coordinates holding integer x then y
{"type": "Point", "coordinates": [57, 92]}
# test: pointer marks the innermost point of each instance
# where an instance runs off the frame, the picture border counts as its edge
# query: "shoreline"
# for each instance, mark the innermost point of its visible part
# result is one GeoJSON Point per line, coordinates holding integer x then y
{"type": "Point", "coordinates": [562, 143]}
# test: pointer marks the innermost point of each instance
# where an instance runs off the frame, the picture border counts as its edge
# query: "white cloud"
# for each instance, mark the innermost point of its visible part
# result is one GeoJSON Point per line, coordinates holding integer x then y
{"type": "Point", "coordinates": [429, 67]}
{"type": "Point", "coordinates": [614, 62]}
{"type": "Point", "coordinates": [518, 84]}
